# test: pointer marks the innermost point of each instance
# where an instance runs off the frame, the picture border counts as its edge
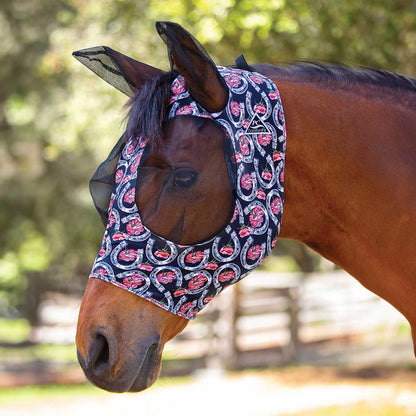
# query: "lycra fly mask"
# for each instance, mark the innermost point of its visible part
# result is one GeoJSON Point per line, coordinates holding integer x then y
{"type": "Point", "coordinates": [183, 279]}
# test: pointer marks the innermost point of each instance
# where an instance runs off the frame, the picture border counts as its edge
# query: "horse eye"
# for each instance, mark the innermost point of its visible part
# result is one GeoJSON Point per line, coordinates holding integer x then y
{"type": "Point", "coordinates": [184, 178]}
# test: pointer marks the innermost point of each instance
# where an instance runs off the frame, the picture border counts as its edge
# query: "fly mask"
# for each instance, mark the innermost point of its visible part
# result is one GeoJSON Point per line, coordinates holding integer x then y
{"type": "Point", "coordinates": [183, 279]}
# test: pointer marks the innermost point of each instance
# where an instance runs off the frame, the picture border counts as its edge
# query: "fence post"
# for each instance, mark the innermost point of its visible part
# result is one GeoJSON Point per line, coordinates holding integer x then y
{"type": "Point", "coordinates": [292, 351]}
{"type": "Point", "coordinates": [228, 349]}
{"type": "Point", "coordinates": [212, 359]}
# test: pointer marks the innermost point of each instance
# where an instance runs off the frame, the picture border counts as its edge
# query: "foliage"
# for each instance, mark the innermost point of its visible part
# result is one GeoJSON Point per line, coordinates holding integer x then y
{"type": "Point", "coordinates": [280, 264]}
{"type": "Point", "coordinates": [374, 33]}
{"type": "Point", "coordinates": [57, 120]}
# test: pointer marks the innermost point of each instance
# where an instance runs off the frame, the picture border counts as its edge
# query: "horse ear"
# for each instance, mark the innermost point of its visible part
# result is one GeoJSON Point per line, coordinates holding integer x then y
{"type": "Point", "coordinates": [204, 82]}
{"type": "Point", "coordinates": [122, 72]}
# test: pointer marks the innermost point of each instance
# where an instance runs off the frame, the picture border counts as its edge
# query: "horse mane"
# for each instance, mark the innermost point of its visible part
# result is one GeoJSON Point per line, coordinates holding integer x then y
{"type": "Point", "coordinates": [335, 75]}
{"type": "Point", "coordinates": [148, 109]}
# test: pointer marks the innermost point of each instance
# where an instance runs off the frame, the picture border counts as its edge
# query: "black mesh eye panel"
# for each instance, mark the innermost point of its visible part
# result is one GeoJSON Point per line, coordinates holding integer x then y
{"type": "Point", "coordinates": [103, 181]}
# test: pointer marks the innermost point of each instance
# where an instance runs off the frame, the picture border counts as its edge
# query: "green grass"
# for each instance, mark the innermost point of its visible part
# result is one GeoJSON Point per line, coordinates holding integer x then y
{"type": "Point", "coordinates": [29, 394]}
{"type": "Point", "coordinates": [14, 330]}
{"type": "Point", "coordinates": [32, 393]}
{"type": "Point", "coordinates": [359, 409]}
{"type": "Point", "coordinates": [42, 352]}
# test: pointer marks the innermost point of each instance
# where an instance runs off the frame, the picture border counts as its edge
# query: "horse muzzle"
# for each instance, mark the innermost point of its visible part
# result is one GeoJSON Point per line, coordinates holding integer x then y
{"type": "Point", "coordinates": [120, 337]}
{"type": "Point", "coordinates": [136, 369]}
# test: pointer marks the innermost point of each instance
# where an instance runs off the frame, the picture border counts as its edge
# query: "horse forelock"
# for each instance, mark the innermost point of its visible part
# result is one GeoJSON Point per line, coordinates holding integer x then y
{"type": "Point", "coordinates": [149, 109]}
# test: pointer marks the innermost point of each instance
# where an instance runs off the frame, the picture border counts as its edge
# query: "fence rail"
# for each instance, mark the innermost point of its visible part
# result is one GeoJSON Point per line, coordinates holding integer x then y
{"type": "Point", "coordinates": [278, 314]}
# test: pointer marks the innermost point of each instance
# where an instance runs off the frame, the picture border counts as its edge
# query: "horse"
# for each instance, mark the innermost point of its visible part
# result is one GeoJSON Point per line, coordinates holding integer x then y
{"type": "Point", "coordinates": [350, 182]}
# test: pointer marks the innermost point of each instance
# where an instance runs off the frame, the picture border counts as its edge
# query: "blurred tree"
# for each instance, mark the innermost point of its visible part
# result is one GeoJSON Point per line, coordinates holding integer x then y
{"type": "Point", "coordinates": [57, 121]}
{"type": "Point", "coordinates": [25, 173]}
{"type": "Point", "coordinates": [378, 33]}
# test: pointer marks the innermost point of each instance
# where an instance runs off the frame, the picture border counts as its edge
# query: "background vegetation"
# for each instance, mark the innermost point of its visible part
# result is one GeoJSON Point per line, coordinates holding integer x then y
{"type": "Point", "coordinates": [57, 120]}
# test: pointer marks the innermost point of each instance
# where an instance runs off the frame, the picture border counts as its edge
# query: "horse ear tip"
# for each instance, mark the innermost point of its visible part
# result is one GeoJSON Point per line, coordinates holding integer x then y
{"type": "Point", "coordinates": [162, 26]}
{"type": "Point", "coordinates": [95, 49]}
{"type": "Point", "coordinates": [79, 53]}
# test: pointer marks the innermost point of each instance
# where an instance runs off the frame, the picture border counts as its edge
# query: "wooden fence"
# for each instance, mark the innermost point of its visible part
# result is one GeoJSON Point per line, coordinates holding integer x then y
{"type": "Point", "coordinates": [267, 318]}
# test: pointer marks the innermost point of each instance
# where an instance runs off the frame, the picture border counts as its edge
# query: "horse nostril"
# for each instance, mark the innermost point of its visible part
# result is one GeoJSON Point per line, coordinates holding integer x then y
{"type": "Point", "coordinates": [104, 367]}
{"type": "Point", "coordinates": [98, 360]}
{"type": "Point", "coordinates": [103, 352]}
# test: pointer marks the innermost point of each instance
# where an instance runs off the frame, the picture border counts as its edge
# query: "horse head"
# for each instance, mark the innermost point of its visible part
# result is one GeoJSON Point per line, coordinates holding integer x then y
{"type": "Point", "coordinates": [170, 243]}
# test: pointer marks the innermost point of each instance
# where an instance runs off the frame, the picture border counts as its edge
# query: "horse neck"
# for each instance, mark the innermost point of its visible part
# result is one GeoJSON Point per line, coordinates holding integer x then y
{"type": "Point", "coordinates": [349, 185]}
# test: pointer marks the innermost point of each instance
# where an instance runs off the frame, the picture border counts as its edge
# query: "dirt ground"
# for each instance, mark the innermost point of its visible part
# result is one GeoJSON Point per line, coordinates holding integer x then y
{"type": "Point", "coordinates": [288, 391]}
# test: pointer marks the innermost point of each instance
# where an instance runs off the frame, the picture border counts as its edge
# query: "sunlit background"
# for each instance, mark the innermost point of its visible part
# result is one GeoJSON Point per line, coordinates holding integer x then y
{"type": "Point", "coordinates": [298, 337]}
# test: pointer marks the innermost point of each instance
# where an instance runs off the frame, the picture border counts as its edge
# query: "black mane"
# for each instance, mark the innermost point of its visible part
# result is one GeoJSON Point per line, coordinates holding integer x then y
{"type": "Point", "coordinates": [148, 109]}
{"type": "Point", "coordinates": [344, 77]}
{"type": "Point", "coordinates": [149, 106]}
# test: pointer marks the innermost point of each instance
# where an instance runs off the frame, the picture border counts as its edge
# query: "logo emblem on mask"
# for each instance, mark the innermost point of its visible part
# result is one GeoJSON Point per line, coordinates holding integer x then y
{"type": "Point", "coordinates": [256, 126]}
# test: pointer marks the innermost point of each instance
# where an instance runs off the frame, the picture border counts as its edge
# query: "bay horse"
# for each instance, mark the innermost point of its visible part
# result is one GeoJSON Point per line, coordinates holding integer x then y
{"type": "Point", "coordinates": [350, 188]}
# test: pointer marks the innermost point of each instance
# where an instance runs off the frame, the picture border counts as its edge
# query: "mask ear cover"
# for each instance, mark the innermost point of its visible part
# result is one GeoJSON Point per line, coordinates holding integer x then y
{"type": "Point", "coordinates": [128, 76]}
{"type": "Point", "coordinates": [187, 55]}
{"type": "Point", "coordinates": [120, 71]}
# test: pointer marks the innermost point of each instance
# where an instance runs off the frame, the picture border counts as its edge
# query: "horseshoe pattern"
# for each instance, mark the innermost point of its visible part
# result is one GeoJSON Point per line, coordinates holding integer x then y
{"type": "Point", "coordinates": [183, 279]}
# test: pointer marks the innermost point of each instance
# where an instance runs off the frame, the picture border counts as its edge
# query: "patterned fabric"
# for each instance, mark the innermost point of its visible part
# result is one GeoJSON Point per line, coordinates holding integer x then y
{"type": "Point", "coordinates": [183, 279]}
